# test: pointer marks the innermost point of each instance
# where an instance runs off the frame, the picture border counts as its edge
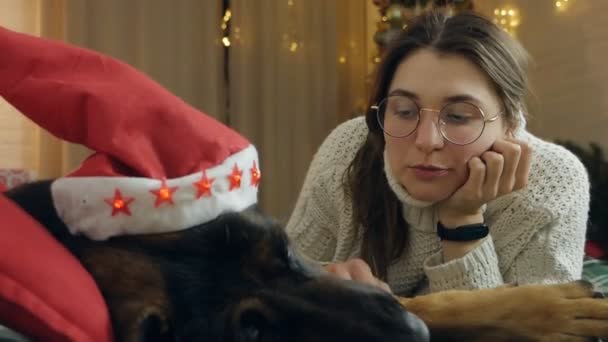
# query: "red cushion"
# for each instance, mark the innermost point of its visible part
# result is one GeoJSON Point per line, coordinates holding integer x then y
{"type": "Point", "coordinates": [593, 250]}
{"type": "Point", "coordinates": [2, 187]}
{"type": "Point", "coordinates": [45, 293]}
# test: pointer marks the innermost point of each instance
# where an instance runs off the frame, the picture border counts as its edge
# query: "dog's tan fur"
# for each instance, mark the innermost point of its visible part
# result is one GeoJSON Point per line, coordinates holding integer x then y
{"type": "Point", "coordinates": [565, 312]}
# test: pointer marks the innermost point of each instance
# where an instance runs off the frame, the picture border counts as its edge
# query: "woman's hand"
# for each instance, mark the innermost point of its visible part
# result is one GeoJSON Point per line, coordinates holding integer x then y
{"type": "Point", "coordinates": [357, 270]}
{"type": "Point", "coordinates": [497, 172]}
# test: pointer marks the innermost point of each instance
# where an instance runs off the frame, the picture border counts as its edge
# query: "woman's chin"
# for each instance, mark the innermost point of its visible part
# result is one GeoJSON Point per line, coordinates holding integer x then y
{"type": "Point", "coordinates": [430, 192]}
{"type": "Point", "coordinates": [426, 198]}
{"type": "Point", "coordinates": [429, 196]}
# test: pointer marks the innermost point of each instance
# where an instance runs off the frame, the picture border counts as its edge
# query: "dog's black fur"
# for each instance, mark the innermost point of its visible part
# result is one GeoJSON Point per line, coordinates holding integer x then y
{"type": "Point", "coordinates": [233, 279]}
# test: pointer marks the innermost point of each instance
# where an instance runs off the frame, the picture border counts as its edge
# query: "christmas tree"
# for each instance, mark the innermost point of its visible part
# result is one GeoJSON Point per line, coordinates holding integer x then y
{"type": "Point", "coordinates": [395, 15]}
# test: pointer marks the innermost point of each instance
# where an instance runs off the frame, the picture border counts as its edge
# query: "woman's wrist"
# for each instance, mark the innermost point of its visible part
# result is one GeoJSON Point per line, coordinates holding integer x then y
{"type": "Point", "coordinates": [453, 221]}
{"type": "Point", "coordinates": [457, 249]}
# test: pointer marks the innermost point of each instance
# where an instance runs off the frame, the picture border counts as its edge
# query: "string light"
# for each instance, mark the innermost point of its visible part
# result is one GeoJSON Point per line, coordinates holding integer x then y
{"type": "Point", "coordinates": [224, 26]}
{"type": "Point", "coordinates": [562, 5]}
{"type": "Point", "coordinates": [508, 19]}
{"type": "Point", "coordinates": [293, 46]}
{"type": "Point", "coordinates": [290, 38]}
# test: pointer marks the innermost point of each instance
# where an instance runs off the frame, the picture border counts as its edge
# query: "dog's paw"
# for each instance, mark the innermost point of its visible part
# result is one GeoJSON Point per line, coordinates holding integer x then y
{"type": "Point", "coordinates": [575, 289]}
{"type": "Point", "coordinates": [570, 312]}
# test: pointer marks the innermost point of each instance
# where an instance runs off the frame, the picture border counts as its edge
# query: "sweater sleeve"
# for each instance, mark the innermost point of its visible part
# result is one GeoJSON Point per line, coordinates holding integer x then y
{"type": "Point", "coordinates": [554, 253]}
{"type": "Point", "coordinates": [311, 227]}
{"type": "Point", "coordinates": [477, 269]}
{"type": "Point", "coordinates": [537, 234]}
{"type": "Point", "coordinates": [320, 226]}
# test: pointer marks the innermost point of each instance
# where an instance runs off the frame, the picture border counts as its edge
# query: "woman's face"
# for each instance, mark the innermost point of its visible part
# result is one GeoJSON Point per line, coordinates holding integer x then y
{"type": "Point", "coordinates": [429, 167]}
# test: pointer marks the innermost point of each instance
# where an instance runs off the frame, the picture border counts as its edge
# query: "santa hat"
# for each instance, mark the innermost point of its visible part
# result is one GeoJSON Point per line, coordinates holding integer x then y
{"type": "Point", "coordinates": [159, 164]}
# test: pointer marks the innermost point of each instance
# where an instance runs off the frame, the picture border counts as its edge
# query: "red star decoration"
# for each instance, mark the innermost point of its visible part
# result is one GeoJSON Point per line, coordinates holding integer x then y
{"type": "Point", "coordinates": [204, 186]}
{"type": "Point", "coordinates": [235, 178]}
{"type": "Point", "coordinates": [164, 194]}
{"type": "Point", "coordinates": [119, 204]}
{"type": "Point", "coordinates": [255, 175]}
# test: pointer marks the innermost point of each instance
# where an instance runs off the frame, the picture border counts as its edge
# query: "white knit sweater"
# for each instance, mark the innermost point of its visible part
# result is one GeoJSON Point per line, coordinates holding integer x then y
{"type": "Point", "coordinates": [537, 234]}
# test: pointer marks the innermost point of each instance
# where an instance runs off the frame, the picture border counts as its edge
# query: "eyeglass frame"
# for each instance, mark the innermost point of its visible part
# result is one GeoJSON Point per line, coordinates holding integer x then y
{"type": "Point", "coordinates": [376, 107]}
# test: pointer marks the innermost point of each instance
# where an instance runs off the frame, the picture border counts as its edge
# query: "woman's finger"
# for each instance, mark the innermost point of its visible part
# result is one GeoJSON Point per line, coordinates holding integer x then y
{"type": "Point", "coordinates": [511, 152]}
{"type": "Point", "coordinates": [339, 270]}
{"type": "Point", "coordinates": [361, 272]}
{"type": "Point", "coordinates": [472, 189]}
{"type": "Point", "coordinates": [523, 167]}
{"type": "Point", "coordinates": [494, 168]}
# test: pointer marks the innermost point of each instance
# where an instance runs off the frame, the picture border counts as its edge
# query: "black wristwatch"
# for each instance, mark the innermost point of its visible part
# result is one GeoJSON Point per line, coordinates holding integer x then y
{"type": "Point", "coordinates": [469, 232]}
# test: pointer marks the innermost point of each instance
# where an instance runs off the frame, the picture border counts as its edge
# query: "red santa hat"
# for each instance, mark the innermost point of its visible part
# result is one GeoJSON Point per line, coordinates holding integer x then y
{"type": "Point", "coordinates": [159, 165]}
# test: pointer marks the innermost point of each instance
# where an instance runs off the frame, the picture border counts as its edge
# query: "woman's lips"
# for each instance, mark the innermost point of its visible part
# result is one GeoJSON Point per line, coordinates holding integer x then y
{"type": "Point", "coordinates": [429, 172]}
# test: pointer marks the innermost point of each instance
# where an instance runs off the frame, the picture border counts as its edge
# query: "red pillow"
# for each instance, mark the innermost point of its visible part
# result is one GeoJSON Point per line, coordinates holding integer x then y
{"type": "Point", "coordinates": [2, 187]}
{"type": "Point", "coordinates": [45, 293]}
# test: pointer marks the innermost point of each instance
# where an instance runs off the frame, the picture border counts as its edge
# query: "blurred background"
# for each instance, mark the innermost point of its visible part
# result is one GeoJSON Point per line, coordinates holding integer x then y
{"type": "Point", "coordinates": [285, 72]}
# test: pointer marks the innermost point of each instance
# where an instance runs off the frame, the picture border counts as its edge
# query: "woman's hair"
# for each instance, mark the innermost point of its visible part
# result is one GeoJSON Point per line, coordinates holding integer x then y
{"type": "Point", "coordinates": [376, 209]}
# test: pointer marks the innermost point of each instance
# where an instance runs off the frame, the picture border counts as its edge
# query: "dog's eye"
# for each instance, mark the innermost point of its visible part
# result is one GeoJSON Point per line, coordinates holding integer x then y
{"type": "Point", "coordinates": [288, 255]}
{"type": "Point", "coordinates": [289, 258]}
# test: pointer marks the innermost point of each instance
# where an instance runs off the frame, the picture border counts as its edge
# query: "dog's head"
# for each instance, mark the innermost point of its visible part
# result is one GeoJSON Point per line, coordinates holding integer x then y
{"type": "Point", "coordinates": [236, 278]}
{"type": "Point", "coordinates": [251, 285]}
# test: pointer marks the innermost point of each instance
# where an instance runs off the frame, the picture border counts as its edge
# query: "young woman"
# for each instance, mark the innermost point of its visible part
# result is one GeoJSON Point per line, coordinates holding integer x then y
{"type": "Point", "coordinates": [440, 186]}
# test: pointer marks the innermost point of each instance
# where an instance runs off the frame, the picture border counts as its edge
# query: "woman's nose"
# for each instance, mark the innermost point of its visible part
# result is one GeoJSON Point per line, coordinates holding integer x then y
{"type": "Point", "coordinates": [428, 136]}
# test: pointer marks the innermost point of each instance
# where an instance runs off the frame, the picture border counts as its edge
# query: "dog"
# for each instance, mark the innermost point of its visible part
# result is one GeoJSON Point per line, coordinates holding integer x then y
{"type": "Point", "coordinates": [237, 278]}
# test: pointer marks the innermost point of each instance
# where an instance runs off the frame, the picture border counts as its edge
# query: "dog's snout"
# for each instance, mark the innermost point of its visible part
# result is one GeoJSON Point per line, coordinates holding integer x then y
{"type": "Point", "coordinates": [417, 331]}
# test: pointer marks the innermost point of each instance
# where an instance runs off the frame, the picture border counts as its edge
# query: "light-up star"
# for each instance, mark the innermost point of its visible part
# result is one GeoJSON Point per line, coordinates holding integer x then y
{"type": "Point", "coordinates": [204, 186]}
{"type": "Point", "coordinates": [255, 175]}
{"type": "Point", "coordinates": [235, 177]}
{"type": "Point", "coordinates": [119, 204]}
{"type": "Point", "coordinates": [164, 194]}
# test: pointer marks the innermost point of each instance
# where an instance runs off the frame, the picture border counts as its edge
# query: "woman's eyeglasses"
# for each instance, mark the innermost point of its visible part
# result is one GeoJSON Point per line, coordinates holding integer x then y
{"type": "Point", "coordinates": [460, 123]}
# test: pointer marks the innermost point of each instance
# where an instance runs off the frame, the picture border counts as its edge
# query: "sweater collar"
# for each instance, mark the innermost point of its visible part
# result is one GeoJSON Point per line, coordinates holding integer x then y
{"type": "Point", "coordinates": [419, 214]}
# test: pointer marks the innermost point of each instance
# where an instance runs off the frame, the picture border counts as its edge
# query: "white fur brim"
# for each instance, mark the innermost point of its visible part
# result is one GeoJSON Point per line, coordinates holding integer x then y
{"type": "Point", "coordinates": [81, 201]}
